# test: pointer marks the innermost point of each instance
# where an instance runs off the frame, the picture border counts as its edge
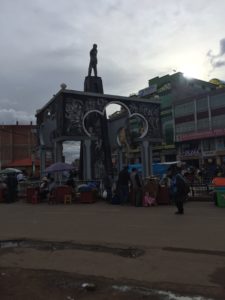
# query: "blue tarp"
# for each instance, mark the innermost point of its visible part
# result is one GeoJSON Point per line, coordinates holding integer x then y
{"type": "Point", "coordinates": [137, 166]}
{"type": "Point", "coordinates": [158, 169]}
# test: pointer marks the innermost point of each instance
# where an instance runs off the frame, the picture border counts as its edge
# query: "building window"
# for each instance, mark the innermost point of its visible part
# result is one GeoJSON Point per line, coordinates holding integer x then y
{"type": "Point", "coordinates": [220, 143]}
{"type": "Point", "coordinates": [190, 149]}
{"type": "Point", "coordinates": [218, 122]}
{"type": "Point", "coordinates": [202, 105]}
{"type": "Point", "coordinates": [203, 124]}
{"type": "Point", "coordinates": [184, 109]}
{"type": "Point", "coordinates": [208, 145]}
{"type": "Point", "coordinates": [217, 101]}
{"type": "Point", "coordinates": [168, 132]}
{"type": "Point", "coordinates": [185, 127]}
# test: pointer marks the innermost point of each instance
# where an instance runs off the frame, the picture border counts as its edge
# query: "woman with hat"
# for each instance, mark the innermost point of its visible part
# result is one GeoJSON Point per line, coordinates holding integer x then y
{"type": "Point", "coordinates": [44, 188]}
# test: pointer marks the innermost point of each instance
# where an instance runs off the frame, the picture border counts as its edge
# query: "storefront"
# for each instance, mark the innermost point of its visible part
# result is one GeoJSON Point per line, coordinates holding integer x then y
{"type": "Point", "coordinates": [209, 157]}
{"type": "Point", "coordinates": [190, 152]}
{"type": "Point", "coordinates": [220, 147]}
{"type": "Point", "coordinates": [192, 160]}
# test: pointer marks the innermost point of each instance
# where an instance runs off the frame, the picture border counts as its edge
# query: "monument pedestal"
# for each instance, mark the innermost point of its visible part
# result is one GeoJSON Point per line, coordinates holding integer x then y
{"type": "Point", "coordinates": [93, 84]}
{"type": "Point", "coordinates": [95, 162]}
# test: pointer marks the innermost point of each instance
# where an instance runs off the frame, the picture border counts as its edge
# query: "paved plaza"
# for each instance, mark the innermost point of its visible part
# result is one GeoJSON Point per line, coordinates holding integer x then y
{"type": "Point", "coordinates": [177, 252]}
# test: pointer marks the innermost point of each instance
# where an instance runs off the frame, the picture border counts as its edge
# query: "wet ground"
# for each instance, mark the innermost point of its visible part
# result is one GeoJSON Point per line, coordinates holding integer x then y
{"type": "Point", "coordinates": [23, 284]}
{"type": "Point", "coordinates": [111, 252]}
{"type": "Point", "coordinates": [54, 246]}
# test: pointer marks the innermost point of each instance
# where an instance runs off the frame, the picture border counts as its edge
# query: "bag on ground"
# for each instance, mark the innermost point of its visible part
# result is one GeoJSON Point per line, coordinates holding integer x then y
{"type": "Point", "coordinates": [104, 194]}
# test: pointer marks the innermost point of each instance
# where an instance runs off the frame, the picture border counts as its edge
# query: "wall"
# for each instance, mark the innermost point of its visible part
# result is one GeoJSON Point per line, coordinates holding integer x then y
{"type": "Point", "coordinates": [16, 142]}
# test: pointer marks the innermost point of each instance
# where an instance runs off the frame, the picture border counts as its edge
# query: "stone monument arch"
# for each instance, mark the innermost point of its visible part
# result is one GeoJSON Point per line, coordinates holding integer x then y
{"type": "Point", "coordinates": [81, 116]}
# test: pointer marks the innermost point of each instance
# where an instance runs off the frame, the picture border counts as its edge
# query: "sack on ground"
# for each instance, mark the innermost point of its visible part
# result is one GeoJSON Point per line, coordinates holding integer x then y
{"type": "Point", "coordinates": [104, 194]}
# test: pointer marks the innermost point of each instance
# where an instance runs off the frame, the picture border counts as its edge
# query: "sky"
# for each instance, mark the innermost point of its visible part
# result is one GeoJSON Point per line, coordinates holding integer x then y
{"type": "Point", "coordinates": [45, 43]}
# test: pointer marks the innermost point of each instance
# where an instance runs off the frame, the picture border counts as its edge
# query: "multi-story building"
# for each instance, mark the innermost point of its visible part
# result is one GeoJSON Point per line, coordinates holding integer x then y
{"type": "Point", "coordinates": [17, 142]}
{"type": "Point", "coordinates": [199, 123]}
{"type": "Point", "coordinates": [168, 89]}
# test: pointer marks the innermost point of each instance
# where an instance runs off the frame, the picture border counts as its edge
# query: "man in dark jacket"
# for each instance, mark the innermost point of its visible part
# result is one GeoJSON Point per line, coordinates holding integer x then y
{"type": "Point", "coordinates": [136, 185]}
{"type": "Point", "coordinates": [11, 183]}
{"type": "Point", "coordinates": [123, 185]}
{"type": "Point", "coordinates": [178, 190]}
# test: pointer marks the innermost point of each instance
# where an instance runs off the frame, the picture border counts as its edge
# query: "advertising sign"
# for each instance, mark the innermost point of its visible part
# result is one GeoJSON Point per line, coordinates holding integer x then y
{"type": "Point", "coordinates": [209, 153]}
{"type": "Point", "coordinates": [200, 135]}
{"type": "Point", "coordinates": [147, 91]}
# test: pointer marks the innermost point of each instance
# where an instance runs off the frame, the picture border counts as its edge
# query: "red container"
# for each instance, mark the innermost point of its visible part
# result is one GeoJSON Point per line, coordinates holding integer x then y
{"type": "Point", "coordinates": [2, 195]}
{"type": "Point", "coordinates": [218, 181]}
{"type": "Point", "coordinates": [163, 196]}
{"type": "Point", "coordinates": [87, 197]}
{"type": "Point", "coordinates": [60, 193]}
{"type": "Point", "coordinates": [30, 192]}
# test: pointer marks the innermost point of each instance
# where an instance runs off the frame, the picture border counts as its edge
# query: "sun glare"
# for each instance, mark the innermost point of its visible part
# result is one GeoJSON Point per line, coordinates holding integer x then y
{"type": "Point", "coordinates": [193, 71]}
{"type": "Point", "coordinates": [112, 108]}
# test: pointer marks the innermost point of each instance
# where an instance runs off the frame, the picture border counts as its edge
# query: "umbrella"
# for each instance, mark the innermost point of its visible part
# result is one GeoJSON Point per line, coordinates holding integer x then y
{"type": "Point", "coordinates": [59, 167]}
{"type": "Point", "coordinates": [10, 171]}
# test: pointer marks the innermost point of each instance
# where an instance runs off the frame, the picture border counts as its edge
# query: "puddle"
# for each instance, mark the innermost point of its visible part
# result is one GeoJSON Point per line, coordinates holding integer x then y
{"type": "Point", "coordinates": [9, 244]}
{"type": "Point", "coordinates": [55, 246]}
{"type": "Point", "coordinates": [159, 295]}
{"type": "Point", "coordinates": [125, 252]}
{"type": "Point", "coordinates": [172, 296]}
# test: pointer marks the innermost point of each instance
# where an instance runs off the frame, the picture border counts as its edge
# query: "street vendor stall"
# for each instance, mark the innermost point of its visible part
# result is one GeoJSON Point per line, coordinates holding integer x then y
{"type": "Point", "coordinates": [218, 184]}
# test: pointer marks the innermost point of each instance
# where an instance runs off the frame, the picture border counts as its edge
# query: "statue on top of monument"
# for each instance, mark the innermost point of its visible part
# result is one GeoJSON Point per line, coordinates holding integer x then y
{"type": "Point", "coordinates": [93, 60]}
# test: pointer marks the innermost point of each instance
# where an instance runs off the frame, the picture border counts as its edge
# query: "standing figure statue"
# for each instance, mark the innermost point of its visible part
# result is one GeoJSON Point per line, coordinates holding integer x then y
{"type": "Point", "coordinates": [93, 60]}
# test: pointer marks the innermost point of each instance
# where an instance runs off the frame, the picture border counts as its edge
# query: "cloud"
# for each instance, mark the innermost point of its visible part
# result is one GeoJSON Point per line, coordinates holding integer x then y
{"type": "Point", "coordinates": [46, 43]}
{"type": "Point", "coordinates": [71, 150]}
{"type": "Point", "coordinates": [6, 102]}
{"type": "Point", "coordinates": [222, 47]}
{"type": "Point", "coordinates": [11, 116]}
{"type": "Point", "coordinates": [215, 59]}
{"type": "Point", "coordinates": [219, 63]}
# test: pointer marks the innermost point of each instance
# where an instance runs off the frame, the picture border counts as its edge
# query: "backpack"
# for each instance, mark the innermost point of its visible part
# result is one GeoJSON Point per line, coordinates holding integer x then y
{"type": "Point", "coordinates": [186, 185]}
{"type": "Point", "coordinates": [115, 200]}
{"type": "Point", "coordinates": [173, 187]}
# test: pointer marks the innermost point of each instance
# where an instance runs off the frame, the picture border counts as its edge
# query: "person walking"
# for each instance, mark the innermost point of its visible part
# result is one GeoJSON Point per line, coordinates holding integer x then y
{"type": "Point", "coordinates": [11, 183]}
{"type": "Point", "coordinates": [179, 190]}
{"type": "Point", "coordinates": [123, 185]}
{"type": "Point", "coordinates": [136, 187]}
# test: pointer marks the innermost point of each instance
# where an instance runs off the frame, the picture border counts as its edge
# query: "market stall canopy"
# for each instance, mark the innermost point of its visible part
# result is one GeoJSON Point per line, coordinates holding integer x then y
{"type": "Point", "coordinates": [59, 167]}
{"type": "Point", "coordinates": [10, 171]}
{"type": "Point", "coordinates": [26, 162]}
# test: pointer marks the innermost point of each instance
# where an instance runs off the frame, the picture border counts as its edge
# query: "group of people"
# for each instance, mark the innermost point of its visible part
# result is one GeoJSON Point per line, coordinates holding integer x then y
{"type": "Point", "coordinates": [130, 188]}
{"type": "Point", "coordinates": [203, 174]}
{"type": "Point", "coordinates": [48, 185]}
{"type": "Point", "coordinates": [128, 185]}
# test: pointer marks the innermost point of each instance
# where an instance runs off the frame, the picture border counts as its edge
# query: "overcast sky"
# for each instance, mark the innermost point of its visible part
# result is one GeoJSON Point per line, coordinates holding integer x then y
{"type": "Point", "coordinates": [47, 42]}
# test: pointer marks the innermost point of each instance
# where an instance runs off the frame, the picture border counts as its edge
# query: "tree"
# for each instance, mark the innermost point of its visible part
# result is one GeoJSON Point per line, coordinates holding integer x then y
{"type": "Point", "coordinates": [220, 84]}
